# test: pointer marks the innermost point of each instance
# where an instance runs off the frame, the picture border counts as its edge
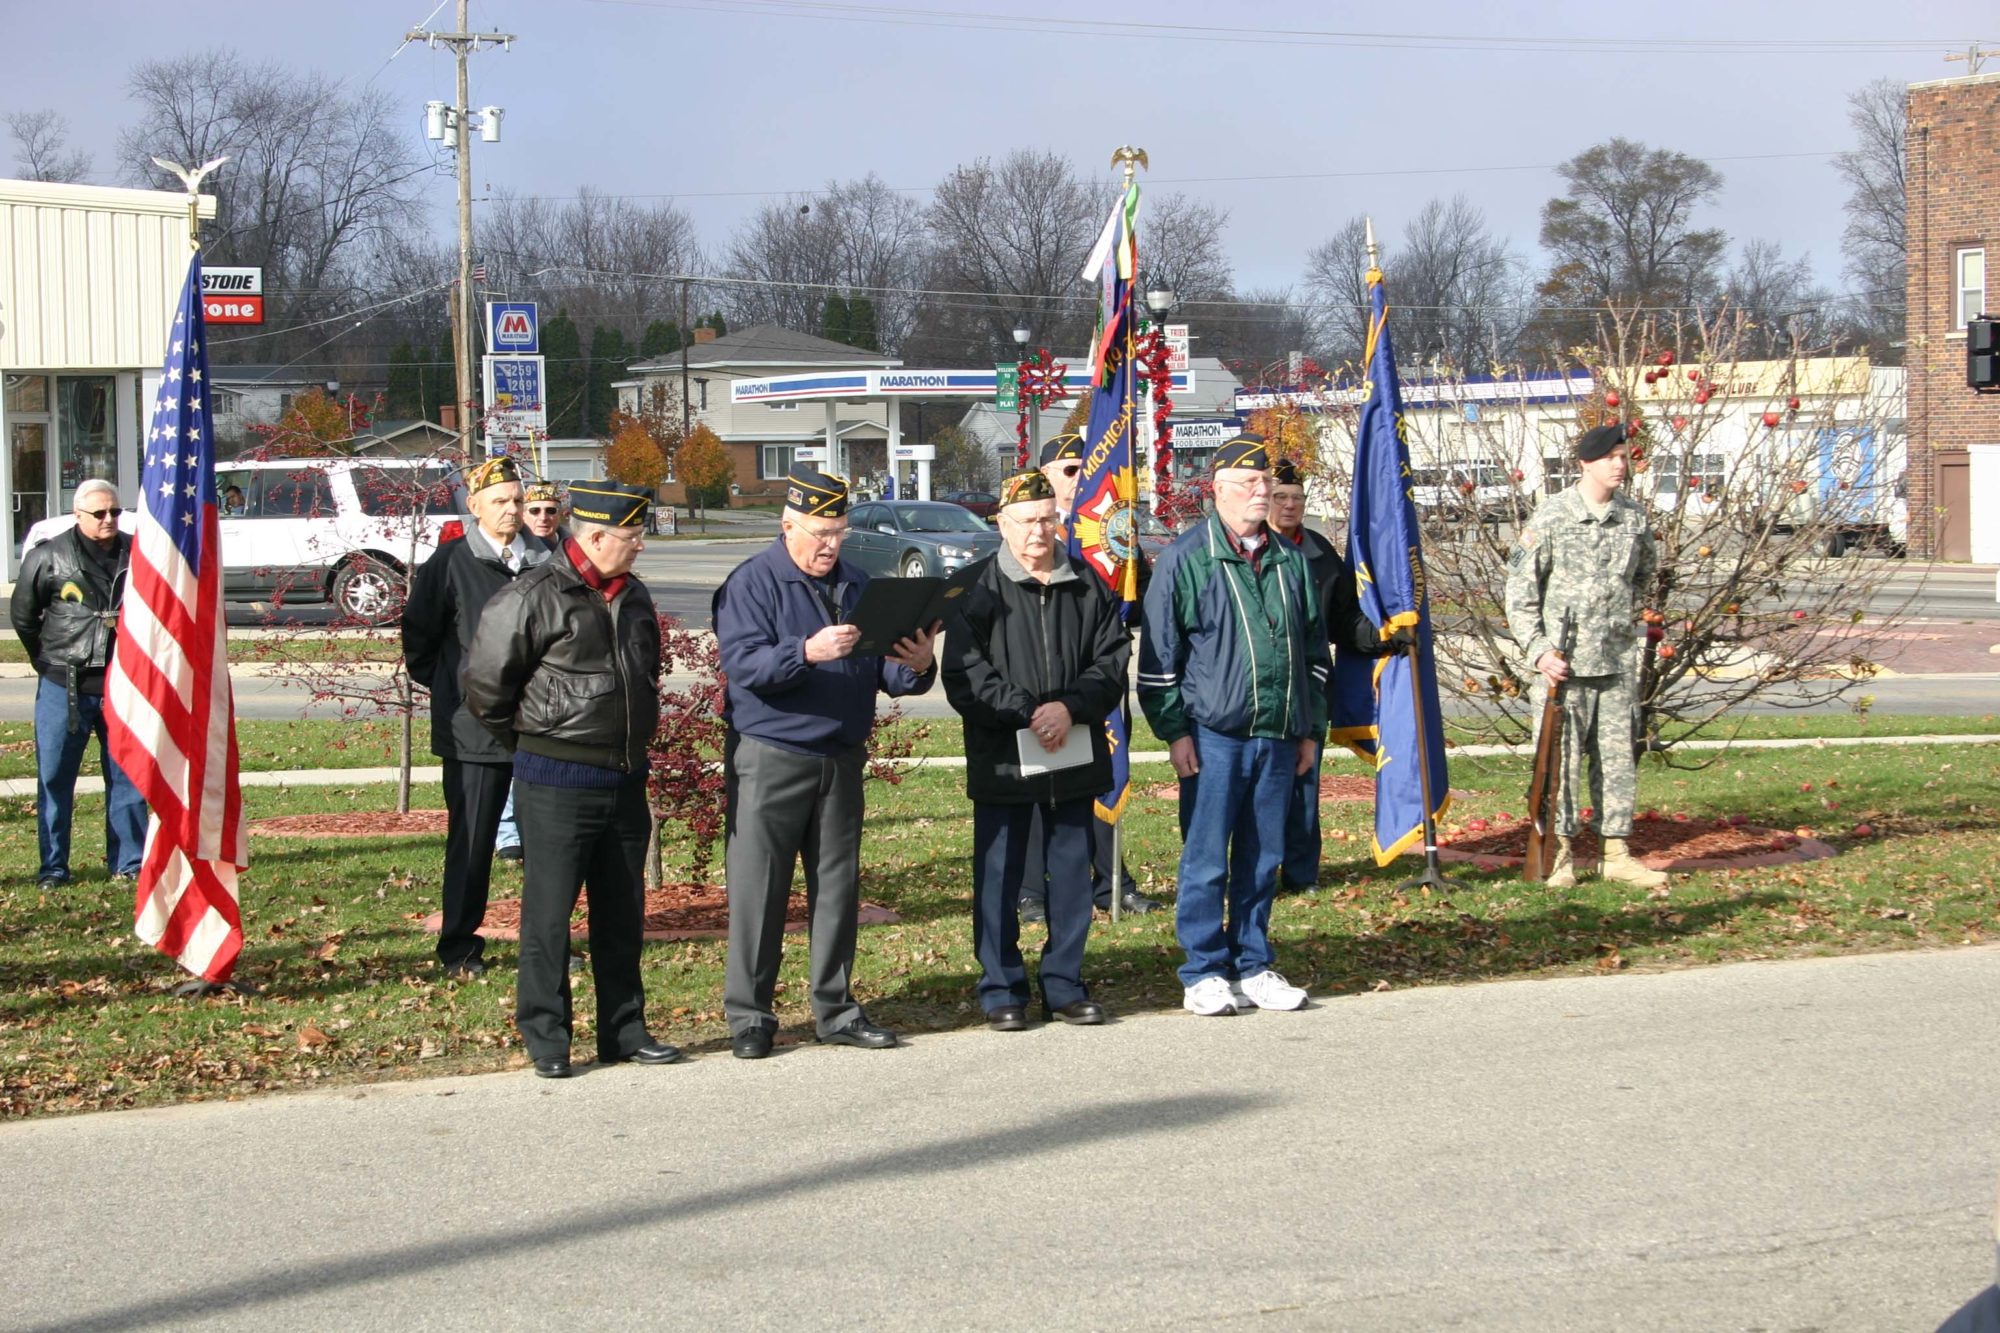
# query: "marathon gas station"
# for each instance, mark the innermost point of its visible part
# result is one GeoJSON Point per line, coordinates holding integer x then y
{"type": "Point", "coordinates": [840, 388]}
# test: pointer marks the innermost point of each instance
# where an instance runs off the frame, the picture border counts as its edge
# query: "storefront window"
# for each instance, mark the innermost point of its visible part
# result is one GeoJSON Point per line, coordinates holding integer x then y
{"type": "Point", "coordinates": [86, 431]}
{"type": "Point", "coordinates": [27, 393]}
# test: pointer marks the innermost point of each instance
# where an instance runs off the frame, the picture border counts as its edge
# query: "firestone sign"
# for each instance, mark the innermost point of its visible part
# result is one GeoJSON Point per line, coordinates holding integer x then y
{"type": "Point", "coordinates": [232, 295]}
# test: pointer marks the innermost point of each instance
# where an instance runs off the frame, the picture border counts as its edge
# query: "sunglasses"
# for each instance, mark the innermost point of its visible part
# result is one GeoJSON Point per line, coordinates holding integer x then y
{"type": "Point", "coordinates": [543, 509]}
{"type": "Point", "coordinates": [1072, 469]}
{"type": "Point", "coordinates": [99, 514]}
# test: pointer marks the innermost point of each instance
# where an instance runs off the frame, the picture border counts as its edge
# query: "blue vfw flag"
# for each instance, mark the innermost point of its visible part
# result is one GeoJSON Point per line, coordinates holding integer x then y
{"type": "Point", "coordinates": [1372, 711]}
{"type": "Point", "coordinates": [1103, 530]}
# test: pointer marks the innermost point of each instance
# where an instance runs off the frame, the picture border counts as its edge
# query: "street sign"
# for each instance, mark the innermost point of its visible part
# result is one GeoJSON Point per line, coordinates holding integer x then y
{"type": "Point", "coordinates": [1177, 347]}
{"type": "Point", "coordinates": [512, 328]}
{"type": "Point", "coordinates": [1007, 387]}
{"type": "Point", "coordinates": [232, 295]}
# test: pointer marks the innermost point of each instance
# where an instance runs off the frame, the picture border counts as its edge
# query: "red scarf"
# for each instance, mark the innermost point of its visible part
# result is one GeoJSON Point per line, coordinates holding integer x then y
{"type": "Point", "coordinates": [610, 587]}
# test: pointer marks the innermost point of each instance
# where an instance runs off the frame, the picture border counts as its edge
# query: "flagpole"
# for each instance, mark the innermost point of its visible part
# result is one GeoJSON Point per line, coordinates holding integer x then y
{"type": "Point", "coordinates": [1432, 876]}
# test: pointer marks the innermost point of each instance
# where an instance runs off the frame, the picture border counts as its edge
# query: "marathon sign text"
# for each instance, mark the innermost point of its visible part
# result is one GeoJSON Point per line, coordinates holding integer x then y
{"type": "Point", "coordinates": [232, 295]}
{"type": "Point", "coordinates": [512, 328]}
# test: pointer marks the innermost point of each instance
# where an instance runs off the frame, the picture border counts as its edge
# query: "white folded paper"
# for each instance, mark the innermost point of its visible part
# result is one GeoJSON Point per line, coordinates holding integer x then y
{"type": "Point", "coordinates": [1074, 752]}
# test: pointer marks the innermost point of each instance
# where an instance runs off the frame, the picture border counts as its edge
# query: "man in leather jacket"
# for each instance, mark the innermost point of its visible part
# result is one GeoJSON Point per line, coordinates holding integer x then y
{"type": "Point", "coordinates": [65, 610]}
{"type": "Point", "coordinates": [564, 674]}
{"type": "Point", "coordinates": [447, 598]}
{"type": "Point", "coordinates": [1036, 648]}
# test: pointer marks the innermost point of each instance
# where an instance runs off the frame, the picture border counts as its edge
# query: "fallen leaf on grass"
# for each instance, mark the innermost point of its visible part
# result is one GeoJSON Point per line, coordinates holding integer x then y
{"type": "Point", "coordinates": [312, 1039]}
{"type": "Point", "coordinates": [1608, 958]}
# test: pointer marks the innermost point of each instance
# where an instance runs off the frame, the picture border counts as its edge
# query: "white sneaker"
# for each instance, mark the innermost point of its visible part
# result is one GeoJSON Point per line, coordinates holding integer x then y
{"type": "Point", "coordinates": [1267, 990]}
{"type": "Point", "coordinates": [1210, 997]}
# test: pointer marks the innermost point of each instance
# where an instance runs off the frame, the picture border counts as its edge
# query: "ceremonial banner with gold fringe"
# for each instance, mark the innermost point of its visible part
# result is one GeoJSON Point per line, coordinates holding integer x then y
{"type": "Point", "coordinates": [1103, 530]}
{"type": "Point", "coordinates": [1372, 712]}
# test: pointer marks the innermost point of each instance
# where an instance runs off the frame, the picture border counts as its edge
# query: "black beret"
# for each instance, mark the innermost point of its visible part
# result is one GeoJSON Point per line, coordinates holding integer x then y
{"type": "Point", "coordinates": [494, 471]}
{"type": "Point", "coordinates": [1245, 450]}
{"type": "Point", "coordinates": [1285, 472]}
{"type": "Point", "coordinates": [1600, 440]}
{"type": "Point", "coordinates": [1029, 485]}
{"type": "Point", "coordinates": [612, 503]}
{"type": "Point", "coordinates": [1064, 446]}
{"type": "Point", "coordinates": [819, 494]}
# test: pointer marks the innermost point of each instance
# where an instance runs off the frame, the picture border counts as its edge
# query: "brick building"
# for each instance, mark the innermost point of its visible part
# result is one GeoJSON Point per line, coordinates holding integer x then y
{"type": "Point", "coordinates": [1953, 230]}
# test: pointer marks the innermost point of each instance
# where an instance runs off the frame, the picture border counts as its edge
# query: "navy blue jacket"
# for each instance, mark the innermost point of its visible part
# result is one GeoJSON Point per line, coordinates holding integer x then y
{"type": "Point", "coordinates": [764, 612]}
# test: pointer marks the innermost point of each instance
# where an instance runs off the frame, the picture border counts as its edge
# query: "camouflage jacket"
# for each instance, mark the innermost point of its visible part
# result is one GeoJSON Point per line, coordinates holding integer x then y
{"type": "Point", "coordinates": [1601, 570]}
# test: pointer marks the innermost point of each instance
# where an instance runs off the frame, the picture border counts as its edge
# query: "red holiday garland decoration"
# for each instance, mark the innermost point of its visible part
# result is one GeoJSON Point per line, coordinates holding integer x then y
{"type": "Point", "coordinates": [1040, 383]}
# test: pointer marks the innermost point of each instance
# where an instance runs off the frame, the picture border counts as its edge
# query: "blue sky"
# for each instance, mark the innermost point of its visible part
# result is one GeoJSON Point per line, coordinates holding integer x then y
{"type": "Point", "coordinates": [723, 102]}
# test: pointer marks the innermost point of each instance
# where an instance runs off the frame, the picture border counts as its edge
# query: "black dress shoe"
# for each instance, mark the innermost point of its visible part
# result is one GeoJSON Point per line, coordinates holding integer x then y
{"type": "Point", "coordinates": [1034, 912]}
{"type": "Point", "coordinates": [508, 853]}
{"type": "Point", "coordinates": [861, 1033]}
{"type": "Point", "coordinates": [1008, 1018]}
{"type": "Point", "coordinates": [654, 1052]}
{"type": "Point", "coordinates": [751, 1044]}
{"type": "Point", "coordinates": [1085, 1013]}
{"type": "Point", "coordinates": [552, 1066]}
{"type": "Point", "coordinates": [466, 969]}
{"type": "Point", "coordinates": [1135, 903]}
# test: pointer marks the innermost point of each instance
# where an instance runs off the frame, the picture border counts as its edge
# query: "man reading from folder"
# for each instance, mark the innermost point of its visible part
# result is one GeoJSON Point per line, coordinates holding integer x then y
{"type": "Point", "coordinates": [1034, 662]}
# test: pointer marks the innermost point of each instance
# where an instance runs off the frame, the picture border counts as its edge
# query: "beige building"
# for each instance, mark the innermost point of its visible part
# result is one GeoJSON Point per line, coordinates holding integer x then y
{"type": "Point", "coordinates": [88, 281]}
{"type": "Point", "coordinates": [764, 439]}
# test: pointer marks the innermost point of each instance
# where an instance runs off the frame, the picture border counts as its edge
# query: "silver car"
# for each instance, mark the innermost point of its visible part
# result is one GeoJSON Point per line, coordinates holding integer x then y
{"type": "Point", "coordinates": [916, 538]}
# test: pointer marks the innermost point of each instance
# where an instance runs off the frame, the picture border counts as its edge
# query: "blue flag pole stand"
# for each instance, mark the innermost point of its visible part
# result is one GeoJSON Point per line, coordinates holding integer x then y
{"type": "Point", "coordinates": [1432, 877]}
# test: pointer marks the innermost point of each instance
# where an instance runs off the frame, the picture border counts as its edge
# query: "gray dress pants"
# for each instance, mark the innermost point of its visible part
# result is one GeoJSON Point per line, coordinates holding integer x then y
{"type": "Point", "coordinates": [783, 806]}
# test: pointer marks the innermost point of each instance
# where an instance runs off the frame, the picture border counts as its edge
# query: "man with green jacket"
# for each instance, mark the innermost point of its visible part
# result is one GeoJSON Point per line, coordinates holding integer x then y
{"type": "Point", "coordinates": [1232, 675]}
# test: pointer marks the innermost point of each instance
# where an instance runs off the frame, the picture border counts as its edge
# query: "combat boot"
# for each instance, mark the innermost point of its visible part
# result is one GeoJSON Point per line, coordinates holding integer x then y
{"type": "Point", "coordinates": [1620, 865]}
{"type": "Point", "coordinates": [1562, 875]}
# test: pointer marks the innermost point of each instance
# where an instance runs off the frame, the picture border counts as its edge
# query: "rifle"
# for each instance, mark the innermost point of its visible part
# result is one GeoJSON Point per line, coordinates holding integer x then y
{"type": "Point", "coordinates": [1542, 787]}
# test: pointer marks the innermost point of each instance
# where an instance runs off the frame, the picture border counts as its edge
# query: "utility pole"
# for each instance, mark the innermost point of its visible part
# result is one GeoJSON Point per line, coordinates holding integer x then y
{"type": "Point", "coordinates": [687, 336]}
{"type": "Point", "coordinates": [1973, 57]}
{"type": "Point", "coordinates": [464, 43]}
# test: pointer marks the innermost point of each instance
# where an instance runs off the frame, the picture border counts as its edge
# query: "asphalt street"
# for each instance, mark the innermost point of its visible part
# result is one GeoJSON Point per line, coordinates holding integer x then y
{"type": "Point", "coordinates": [1761, 1146]}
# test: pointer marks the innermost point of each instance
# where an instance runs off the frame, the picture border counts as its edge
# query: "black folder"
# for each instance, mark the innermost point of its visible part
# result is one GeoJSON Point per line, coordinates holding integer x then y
{"type": "Point", "coordinates": [895, 608]}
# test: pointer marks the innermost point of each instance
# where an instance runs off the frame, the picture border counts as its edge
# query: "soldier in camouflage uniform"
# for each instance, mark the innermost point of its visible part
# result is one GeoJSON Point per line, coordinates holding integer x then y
{"type": "Point", "coordinates": [1588, 552]}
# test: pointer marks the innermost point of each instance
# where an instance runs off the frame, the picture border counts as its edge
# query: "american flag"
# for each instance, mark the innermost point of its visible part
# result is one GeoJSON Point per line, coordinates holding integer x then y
{"type": "Point", "coordinates": [479, 271]}
{"type": "Point", "coordinates": [169, 712]}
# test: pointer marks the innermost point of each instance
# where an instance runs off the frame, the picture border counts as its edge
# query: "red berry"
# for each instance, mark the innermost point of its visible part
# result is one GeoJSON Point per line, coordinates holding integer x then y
{"type": "Point", "coordinates": [1611, 398]}
{"type": "Point", "coordinates": [1770, 418]}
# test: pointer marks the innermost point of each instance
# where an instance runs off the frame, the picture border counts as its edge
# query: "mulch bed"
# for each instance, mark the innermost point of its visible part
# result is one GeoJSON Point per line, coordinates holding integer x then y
{"type": "Point", "coordinates": [683, 911]}
{"type": "Point", "coordinates": [359, 824]}
{"type": "Point", "coordinates": [1671, 843]}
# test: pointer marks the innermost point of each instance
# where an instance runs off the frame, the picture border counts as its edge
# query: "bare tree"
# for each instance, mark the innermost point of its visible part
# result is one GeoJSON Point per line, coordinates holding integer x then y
{"type": "Point", "coordinates": [317, 176]}
{"type": "Point", "coordinates": [1009, 239]}
{"type": "Point", "coordinates": [1754, 503]}
{"type": "Point", "coordinates": [1457, 294]}
{"type": "Point", "coordinates": [1180, 247]}
{"type": "Point", "coordinates": [1780, 303]}
{"type": "Point", "coordinates": [858, 238]}
{"type": "Point", "coordinates": [1876, 202]}
{"type": "Point", "coordinates": [607, 261]}
{"type": "Point", "coordinates": [40, 139]}
{"type": "Point", "coordinates": [1623, 234]}
{"type": "Point", "coordinates": [1258, 333]}
{"type": "Point", "coordinates": [1336, 279]}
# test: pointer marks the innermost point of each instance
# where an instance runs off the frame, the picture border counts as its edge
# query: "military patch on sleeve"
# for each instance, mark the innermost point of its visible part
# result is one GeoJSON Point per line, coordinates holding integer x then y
{"type": "Point", "coordinates": [1529, 537]}
{"type": "Point", "coordinates": [1519, 558]}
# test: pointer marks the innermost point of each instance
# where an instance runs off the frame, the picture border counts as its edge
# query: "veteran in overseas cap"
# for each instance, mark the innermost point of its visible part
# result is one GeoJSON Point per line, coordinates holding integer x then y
{"type": "Point", "coordinates": [495, 471]}
{"type": "Point", "coordinates": [611, 503]}
{"type": "Point", "coordinates": [814, 493]}
{"type": "Point", "coordinates": [1030, 485]}
{"type": "Point", "coordinates": [1063, 448]}
{"type": "Point", "coordinates": [1245, 450]}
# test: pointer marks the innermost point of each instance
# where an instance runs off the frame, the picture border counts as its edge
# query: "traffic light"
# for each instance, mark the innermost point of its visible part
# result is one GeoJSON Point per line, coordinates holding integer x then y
{"type": "Point", "coordinates": [1982, 354]}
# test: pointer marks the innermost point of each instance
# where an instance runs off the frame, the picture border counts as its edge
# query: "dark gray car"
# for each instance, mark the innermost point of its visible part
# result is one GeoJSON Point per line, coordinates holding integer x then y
{"type": "Point", "coordinates": [914, 538]}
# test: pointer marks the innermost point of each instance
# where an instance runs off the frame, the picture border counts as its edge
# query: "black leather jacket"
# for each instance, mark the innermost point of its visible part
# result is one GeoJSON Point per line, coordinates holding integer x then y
{"type": "Point", "coordinates": [65, 608]}
{"type": "Point", "coordinates": [556, 670]}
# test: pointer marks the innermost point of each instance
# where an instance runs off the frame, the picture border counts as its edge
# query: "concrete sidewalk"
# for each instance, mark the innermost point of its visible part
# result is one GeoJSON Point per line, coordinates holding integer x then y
{"type": "Point", "coordinates": [1778, 1145]}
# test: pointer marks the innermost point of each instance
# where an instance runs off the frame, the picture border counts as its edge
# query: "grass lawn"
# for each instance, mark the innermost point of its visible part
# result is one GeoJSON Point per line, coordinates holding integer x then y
{"type": "Point", "coordinates": [349, 991]}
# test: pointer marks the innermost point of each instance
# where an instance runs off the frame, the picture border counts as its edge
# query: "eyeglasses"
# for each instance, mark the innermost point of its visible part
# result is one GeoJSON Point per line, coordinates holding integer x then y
{"type": "Point", "coordinates": [1033, 522]}
{"type": "Point", "coordinates": [99, 514]}
{"type": "Point", "coordinates": [1072, 469]}
{"type": "Point", "coordinates": [821, 536]}
{"type": "Point", "coordinates": [1251, 484]}
{"type": "Point", "coordinates": [539, 510]}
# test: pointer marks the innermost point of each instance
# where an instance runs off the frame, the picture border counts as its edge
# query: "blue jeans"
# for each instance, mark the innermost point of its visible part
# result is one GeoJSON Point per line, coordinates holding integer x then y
{"type": "Point", "coordinates": [1302, 840]}
{"type": "Point", "coordinates": [1234, 815]}
{"type": "Point", "coordinates": [510, 832]}
{"type": "Point", "coordinates": [58, 756]}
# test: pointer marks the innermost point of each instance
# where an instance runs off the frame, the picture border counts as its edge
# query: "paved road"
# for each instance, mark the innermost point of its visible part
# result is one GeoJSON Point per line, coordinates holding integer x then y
{"type": "Point", "coordinates": [1789, 1145]}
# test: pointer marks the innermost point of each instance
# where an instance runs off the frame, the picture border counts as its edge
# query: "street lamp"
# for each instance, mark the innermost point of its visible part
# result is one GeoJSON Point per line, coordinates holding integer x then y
{"type": "Point", "coordinates": [1161, 303]}
{"type": "Point", "coordinates": [1030, 408]}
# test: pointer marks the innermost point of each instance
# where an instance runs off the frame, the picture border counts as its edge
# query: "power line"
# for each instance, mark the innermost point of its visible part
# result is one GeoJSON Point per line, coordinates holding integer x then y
{"type": "Point", "coordinates": [1047, 25]}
